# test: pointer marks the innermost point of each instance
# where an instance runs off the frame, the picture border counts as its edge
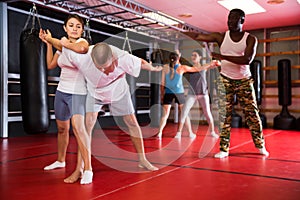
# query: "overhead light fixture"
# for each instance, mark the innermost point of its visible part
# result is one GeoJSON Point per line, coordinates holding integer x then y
{"type": "Point", "coordinates": [187, 15]}
{"type": "Point", "coordinates": [275, 1]}
{"type": "Point", "coordinates": [248, 6]}
{"type": "Point", "coordinates": [162, 18]}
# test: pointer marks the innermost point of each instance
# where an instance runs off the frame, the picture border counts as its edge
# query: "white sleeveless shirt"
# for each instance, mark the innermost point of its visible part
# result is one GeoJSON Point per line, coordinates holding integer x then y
{"type": "Point", "coordinates": [231, 48]}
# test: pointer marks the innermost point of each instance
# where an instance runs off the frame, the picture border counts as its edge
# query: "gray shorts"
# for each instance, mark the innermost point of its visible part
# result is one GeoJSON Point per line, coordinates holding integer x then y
{"type": "Point", "coordinates": [117, 108]}
{"type": "Point", "coordinates": [66, 105]}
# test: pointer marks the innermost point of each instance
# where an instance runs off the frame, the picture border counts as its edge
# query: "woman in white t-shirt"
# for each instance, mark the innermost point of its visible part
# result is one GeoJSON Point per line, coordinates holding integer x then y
{"type": "Point", "coordinates": [70, 97]}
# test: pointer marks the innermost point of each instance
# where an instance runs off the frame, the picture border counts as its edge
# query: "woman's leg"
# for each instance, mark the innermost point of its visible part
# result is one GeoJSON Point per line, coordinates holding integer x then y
{"type": "Point", "coordinates": [204, 102]}
{"type": "Point", "coordinates": [184, 116]}
{"type": "Point", "coordinates": [164, 118]}
{"type": "Point", "coordinates": [62, 144]}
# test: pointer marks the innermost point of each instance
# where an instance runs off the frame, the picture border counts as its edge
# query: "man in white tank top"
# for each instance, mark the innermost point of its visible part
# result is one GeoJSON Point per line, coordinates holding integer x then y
{"type": "Point", "coordinates": [237, 50]}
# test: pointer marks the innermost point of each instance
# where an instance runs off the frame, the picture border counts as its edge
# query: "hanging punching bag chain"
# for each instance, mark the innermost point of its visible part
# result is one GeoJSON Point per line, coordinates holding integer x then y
{"type": "Point", "coordinates": [127, 41]}
{"type": "Point", "coordinates": [34, 14]}
{"type": "Point", "coordinates": [87, 32]}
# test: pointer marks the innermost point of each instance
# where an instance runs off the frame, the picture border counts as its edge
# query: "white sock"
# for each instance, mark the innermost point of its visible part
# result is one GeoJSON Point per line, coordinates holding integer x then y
{"type": "Point", "coordinates": [87, 177]}
{"type": "Point", "coordinates": [159, 135]}
{"type": "Point", "coordinates": [264, 151]}
{"type": "Point", "coordinates": [55, 165]}
{"type": "Point", "coordinates": [221, 154]}
{"type": "Point", "coordinates": [178, 135]}
{"type": "Point", "coordinates": [192, 135]}
{"type": "Point", "coordinates": [214, 134]}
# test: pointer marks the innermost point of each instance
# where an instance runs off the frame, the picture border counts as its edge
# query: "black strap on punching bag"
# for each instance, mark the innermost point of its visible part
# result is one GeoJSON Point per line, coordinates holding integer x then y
{"type": "Point", "coordinates": [33, 76]}
{"type": "Point", "coordinates": [155, 101]}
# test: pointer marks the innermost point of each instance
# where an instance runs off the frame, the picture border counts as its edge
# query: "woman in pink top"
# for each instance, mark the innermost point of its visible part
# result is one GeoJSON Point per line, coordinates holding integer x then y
{"type": "Point", "coordinates": [70, 98]}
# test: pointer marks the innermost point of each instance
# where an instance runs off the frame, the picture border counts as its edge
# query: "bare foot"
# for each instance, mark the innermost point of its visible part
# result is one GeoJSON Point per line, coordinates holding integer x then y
{"type": "Point", "coordinates": [73, 177]}
{"type": "Point", "coordinates": [147, 165]}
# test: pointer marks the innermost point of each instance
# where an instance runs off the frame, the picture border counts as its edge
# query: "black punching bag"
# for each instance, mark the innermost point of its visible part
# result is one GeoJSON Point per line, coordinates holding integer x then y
{"type": "Point", "coordinates": [284, 120]}
{"type": "Point", "coordinates": [155, 101]}
{"type": "Point", "coordinates": [33, 76]}
{"type": "Point", "coordinates": [255, 68]}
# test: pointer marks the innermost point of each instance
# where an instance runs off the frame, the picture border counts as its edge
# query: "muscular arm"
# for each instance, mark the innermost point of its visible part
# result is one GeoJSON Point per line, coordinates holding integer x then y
{"type": "Point", "coordinates": [248, 56]}
{"type": "Point", "coordinates": [211, 37]}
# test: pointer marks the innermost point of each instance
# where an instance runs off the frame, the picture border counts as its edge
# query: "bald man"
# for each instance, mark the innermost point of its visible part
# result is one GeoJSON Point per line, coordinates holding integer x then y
{"type": "Point", "coordinates": [105, 67]}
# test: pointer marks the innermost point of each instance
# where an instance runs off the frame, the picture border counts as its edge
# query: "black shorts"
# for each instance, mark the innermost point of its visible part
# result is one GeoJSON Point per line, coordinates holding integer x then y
{"type": "Point", "coordinates": [179, 98]}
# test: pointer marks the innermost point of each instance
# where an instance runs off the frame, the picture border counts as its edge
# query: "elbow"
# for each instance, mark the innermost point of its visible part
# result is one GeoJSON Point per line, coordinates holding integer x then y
{"type": "Point", "coordinates": [248, 60]}
{"type": "Point", "coordinates": [83, 50]}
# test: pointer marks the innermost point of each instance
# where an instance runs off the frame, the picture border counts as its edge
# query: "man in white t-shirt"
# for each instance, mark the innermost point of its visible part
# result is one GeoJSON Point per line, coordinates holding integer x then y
{"type": "Point", "coordinates": [105, 67]}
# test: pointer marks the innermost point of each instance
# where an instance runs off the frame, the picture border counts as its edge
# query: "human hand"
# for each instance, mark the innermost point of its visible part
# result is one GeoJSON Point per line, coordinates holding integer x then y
{"type": "Point", "coordinates": [157, 69]}
{"type": "Point", "coordinates": [42, 35]}
{"type": "Point", "coordinates": [214, 64]}
{"type": "Point", "coordinates": [64, 41]}
{"type": "Point", "coordinates": [47, 35]}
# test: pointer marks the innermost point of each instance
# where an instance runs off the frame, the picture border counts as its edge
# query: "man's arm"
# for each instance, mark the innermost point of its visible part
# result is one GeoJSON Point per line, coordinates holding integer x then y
{"type": "Point", "coordinates": [147, 66]}
{"type": "Point", "coordinates": [248, 56]}
{"type": "Point", "coordinates": [72, 57]}
{"type": "Point", "coordinates": [211, 37]}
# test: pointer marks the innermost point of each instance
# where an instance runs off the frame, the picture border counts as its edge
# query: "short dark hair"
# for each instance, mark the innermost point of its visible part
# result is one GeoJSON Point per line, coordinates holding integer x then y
{"type": "Point", "coordinates": [76, 17]}
{"type": "Point", "coordinates": [173, 57]}
{"type": "Point", "coordinates": [239, 11]}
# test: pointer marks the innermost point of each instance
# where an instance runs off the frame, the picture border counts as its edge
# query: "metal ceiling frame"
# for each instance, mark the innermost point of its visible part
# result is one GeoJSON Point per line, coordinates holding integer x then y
{"type": "Point", "coordinates": [155, 29]}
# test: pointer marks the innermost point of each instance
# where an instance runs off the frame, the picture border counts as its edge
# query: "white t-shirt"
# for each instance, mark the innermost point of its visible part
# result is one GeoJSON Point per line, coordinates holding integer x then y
{"type": "Point", "coordinates": [111, 87]}
{"type": "Point", "coordinates": [231, 48]}
{"type": "Point", "coordinates": [71, 80]}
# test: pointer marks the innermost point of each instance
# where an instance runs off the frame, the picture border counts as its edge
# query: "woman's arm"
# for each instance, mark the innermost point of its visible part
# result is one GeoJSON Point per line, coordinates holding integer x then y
{"type": "Point", "coordinates": [199, 67]}
{"type": "Point", "coordinates": [78, 47]}
{"type": "Point", "coordinates": [50, 58]}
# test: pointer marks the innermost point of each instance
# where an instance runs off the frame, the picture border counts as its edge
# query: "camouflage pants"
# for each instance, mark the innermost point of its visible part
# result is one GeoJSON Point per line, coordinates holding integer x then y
{"type": "Point", "coordinates": [245, 94]}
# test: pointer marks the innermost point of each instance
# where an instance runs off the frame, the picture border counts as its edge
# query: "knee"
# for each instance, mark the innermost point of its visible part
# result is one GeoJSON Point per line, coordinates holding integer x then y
{"type": "Point", "coordinates": [78, 129]}
{"type": "Point", "coordinates": [90, 119]}
{"type": "Point", "coordinates": [62, 130]}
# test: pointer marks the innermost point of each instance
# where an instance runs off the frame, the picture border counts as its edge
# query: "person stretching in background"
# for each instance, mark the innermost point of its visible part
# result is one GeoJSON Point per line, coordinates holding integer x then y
{"type": "Point", "coordinates": [172, 86]}
{"type": "Point", "coordinates": [198, 91]}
